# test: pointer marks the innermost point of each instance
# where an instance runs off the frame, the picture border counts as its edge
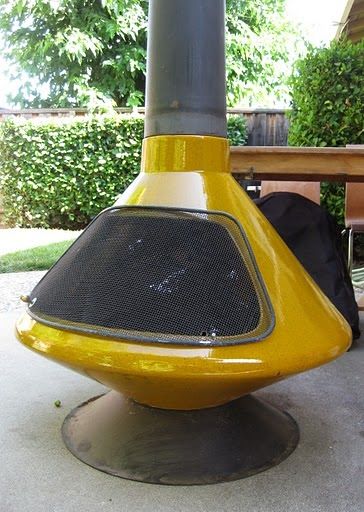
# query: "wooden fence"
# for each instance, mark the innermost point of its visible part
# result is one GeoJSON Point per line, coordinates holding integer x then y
{"type": "Point", "coordinates": [265, 127]}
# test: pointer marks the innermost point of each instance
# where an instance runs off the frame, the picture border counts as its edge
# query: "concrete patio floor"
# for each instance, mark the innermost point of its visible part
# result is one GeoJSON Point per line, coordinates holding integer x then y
{"type": "Point", "coordinates": [38, 474]}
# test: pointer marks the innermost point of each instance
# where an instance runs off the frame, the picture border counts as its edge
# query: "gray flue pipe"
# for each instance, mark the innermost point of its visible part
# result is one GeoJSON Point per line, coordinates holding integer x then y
{"type": "Point", "coordinates": [185, 91]}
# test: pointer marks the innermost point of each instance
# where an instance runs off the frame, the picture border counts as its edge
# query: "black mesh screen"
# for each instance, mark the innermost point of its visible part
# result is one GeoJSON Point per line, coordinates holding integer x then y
{"type": "Point", "coordinates": [157, 275]}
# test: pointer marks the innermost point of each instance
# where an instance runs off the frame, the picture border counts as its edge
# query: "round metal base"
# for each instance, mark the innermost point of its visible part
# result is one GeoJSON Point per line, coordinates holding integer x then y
{"type": "Point", "coordinates": [206, 446]}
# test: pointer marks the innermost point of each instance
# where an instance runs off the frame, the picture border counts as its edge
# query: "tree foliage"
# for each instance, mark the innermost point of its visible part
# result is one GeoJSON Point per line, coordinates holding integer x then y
{"type": "Point", "coordinates": [89, 51]}
{"type": "Point", "coordinates": [328, 96]}
{"type": "Point", "coordinates": [260, 43]}
{"type": "Point", "coordinates": [328, 105]}
{"type": "Point", "coordinates": [83, 50]}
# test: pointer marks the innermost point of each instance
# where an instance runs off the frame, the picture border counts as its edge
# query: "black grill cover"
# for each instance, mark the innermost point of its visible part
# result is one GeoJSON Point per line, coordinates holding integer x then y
{"type": "Point", "coordinates": [314, 238]}
{"type": "Point", "coordinates": [162, 275]}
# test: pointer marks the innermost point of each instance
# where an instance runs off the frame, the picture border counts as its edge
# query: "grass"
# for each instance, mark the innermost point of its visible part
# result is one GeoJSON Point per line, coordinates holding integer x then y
{"type": "Point", "coordinates": [37, 258]}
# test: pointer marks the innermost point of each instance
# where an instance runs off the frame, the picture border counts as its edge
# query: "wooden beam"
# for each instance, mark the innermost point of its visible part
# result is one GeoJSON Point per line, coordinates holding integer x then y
{"type": "Point", "coordinates": [344, 18]}
{"type": "Point", "coordinates": [350, 23]}
{"type": "Point", "coordinates": [357, 7]}
{"type": "Point", "coordinates": [356, 29]}
{"type": "Point", "coordinates": [298, 164]}
{"type": "Point", "coordinates": [355, 38]}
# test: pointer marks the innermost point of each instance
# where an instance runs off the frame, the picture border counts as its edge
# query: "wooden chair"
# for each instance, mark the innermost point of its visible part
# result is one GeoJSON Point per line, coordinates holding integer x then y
{"type": "Point", "coordinates": [354, 218]}
{"type": "Point", "coordinates": [360, 303]}
{"type": "Point", "coordinates": [354, 222]}
{"type": "Point", "coordinates": [309, 189]}
{"type": "Point", "coordinates": [354, 215]}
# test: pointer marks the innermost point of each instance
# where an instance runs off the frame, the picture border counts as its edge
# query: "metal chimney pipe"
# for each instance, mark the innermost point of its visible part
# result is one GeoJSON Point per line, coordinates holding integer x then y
{"type": "Point", "coordinates": [185, 90]}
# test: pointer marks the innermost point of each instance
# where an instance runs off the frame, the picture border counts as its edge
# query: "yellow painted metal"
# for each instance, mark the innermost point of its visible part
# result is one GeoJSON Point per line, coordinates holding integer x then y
{"type": "Point", "coordinates": [308, 331]}
{"type": "Point", "coordinates": [185, 153]}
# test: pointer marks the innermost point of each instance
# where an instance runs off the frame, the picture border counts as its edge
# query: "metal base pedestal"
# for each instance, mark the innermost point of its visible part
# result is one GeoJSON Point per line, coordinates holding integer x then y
{"type": "Point", "coordinates": [129, 440]}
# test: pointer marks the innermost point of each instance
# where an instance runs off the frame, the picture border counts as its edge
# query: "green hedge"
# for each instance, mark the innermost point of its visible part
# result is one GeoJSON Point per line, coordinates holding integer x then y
{"type": "Point", "coordinates": [328, 105]}
{"type": "Point", "coordinates": [61, 175]}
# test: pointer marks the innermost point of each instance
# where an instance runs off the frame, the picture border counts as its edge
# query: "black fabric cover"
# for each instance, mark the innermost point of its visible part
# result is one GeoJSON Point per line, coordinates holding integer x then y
{"type": "Point", "coordinates": [314, 237]}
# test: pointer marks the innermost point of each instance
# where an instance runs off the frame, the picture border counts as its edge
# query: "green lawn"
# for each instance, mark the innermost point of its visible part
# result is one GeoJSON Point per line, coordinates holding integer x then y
{"type": "Point", "coordinates": [37, 258]}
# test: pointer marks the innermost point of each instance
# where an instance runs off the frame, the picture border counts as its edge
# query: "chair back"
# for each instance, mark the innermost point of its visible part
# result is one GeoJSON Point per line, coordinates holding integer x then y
{"type": "Point", "coordinates": [354, 202]}
{"type": "Point", "coordinates": [309, 189]}
{"type": "Point", "coordinates": [354, 206]}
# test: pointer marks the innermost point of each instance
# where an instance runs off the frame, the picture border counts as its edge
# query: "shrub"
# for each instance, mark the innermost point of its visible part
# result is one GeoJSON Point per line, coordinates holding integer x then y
{"type": "Point", "coordinates": [237, 130]}
{"type": "Point", "coordinates": [328, 105]}
{"type": "Point", "coordinates": [61, 175]}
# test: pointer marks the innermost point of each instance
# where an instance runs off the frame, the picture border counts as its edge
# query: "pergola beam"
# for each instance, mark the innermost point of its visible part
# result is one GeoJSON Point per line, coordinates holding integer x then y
{"type": "Point", "coordinates": [298, 164]}
{"type": "Point", "coordinates": [350, 24]}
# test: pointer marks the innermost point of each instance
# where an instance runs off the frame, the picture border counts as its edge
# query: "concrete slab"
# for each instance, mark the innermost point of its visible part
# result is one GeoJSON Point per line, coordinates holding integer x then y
{"type": "Point", "coordinates": [15, 284]}
{"type": "Point", "coordinates": [38, 474]}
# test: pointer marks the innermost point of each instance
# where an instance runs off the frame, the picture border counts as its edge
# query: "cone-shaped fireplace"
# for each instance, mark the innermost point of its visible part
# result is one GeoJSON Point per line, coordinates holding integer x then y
{"type": "Point", "coordinates": [182, 296]}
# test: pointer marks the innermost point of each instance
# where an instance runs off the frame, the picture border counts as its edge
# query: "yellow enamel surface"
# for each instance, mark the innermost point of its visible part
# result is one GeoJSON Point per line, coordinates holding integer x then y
{"type": "Point", "coordinates": [185, 153]}
{"type": "Point", "coordinates": [308, 331]}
